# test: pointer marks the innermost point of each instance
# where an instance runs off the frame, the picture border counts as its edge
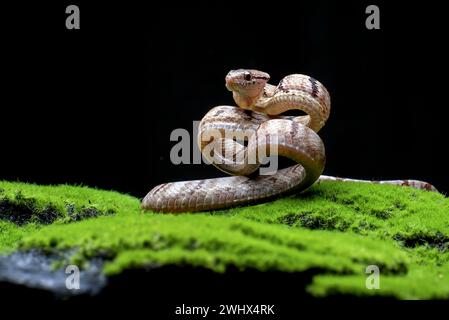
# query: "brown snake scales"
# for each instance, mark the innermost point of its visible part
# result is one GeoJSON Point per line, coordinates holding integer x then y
{"type": "Point", "coordinates": [238, 139]}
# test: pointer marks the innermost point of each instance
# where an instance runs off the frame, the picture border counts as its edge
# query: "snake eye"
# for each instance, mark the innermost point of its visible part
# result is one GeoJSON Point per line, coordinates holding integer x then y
{"type": "Point", "coordinates": [247, 76]}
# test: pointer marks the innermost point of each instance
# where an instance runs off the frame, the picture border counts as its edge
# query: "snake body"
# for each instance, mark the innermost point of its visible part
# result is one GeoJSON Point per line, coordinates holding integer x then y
{"type": "Point", "coordinates": [238, 139]}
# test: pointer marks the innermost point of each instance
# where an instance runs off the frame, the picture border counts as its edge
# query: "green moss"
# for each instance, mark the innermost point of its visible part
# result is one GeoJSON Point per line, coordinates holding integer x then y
{"type": "Point", "coordinates": [10, 234]}
{"type": "Point", "coordinates": [334, 229]}
{"type": "Point", "coordinates": [420, 282]}
{"type": "Point", "coordinates": [215, 242]}
{"type": "Point", "coordinates": [25, 207]}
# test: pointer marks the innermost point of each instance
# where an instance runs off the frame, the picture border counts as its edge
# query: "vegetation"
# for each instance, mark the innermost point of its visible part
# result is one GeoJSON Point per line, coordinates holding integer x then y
{"type": "Point", "coordinates": [335, 228]}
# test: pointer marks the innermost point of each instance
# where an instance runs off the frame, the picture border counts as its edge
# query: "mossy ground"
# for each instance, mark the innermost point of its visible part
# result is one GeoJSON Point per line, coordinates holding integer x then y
{"type": "Point", "coordinates": [335, 228]}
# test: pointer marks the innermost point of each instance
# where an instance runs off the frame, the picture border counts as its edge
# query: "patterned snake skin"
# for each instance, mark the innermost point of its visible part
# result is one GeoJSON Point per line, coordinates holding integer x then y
{"type": "Point", "coordinates": [238, 139]}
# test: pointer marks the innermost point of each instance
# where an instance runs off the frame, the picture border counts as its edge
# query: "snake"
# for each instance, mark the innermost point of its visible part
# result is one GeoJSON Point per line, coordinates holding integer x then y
{"type": "Point", "coordinates": [239, 139]}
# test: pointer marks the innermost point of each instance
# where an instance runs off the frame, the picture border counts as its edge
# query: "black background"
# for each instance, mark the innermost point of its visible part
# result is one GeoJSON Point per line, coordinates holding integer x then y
{"type": "Point", "coordinates": [96, 106]}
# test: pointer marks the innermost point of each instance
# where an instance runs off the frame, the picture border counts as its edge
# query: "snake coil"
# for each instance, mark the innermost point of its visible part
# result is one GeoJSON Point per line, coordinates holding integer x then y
{"type": "Point", "coordinates": [238, 139]}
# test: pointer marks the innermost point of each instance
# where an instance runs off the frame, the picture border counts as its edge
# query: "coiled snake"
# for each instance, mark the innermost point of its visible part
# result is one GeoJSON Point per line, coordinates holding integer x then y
{"type": "Point", "coordinates": [238, 139]}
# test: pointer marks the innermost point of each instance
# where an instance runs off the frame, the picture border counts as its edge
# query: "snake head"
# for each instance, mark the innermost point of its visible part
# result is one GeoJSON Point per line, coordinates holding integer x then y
{"type": "Point", "coordinates": [246, 85]}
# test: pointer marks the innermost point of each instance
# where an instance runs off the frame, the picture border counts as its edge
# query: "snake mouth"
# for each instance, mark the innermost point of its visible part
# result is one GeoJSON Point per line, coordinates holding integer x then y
{"type": "Point", "coordinates": [229, 83]}
{"type": "Point", "coordinates": [231, 80]}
